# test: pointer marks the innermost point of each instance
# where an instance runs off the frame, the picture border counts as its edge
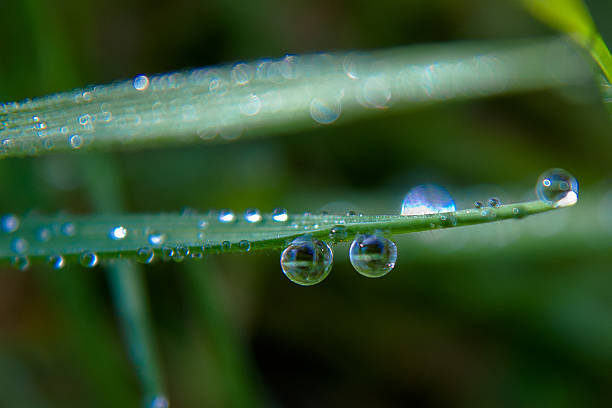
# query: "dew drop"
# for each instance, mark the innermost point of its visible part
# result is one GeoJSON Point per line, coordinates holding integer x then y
{"type": "Point", "coordinates": [338, 233]}
{"type": "Point", "coordinates": [306, 261]}
{"type": "Point", "coordinates": [372, 255]}
{"type": "Point", "coordinates": [250, 105]}
{"type": "Point", "coordinates": [19, 245]}
{"type": "Point", "coordinates": [75, 141]}
{"type": "Point", "coordinates": [427, 199]}
{"type": "Point", "coordinates": [325, 111]}
{"type": "Point", "coordinates": [557, 188]}
{"type": "Point", "coordinates": [84, 119]}
{"type": "Point", "coordinates": [57, 262]}
{"type": "Point", "coordinates": [159, 401]}
{"type": "Point", "coordinates": [145, 255]}
{"type": "Point", "coordinates": [20, 262]}
{"type": "Point", "coordinates": [43, 234]}
{"type": "Point", "coordinates": [478, 204]}
{"type": "Point", "coordinates": [244, 245]}
{"type": "Point", "coordinates": [88, 259]}
{"type": "Point", "coordinates": [156, 238]}
{"type": "Point", "coordinates": [241, 73]}
{"type": "Point", "coordinates": [68, 229]}
{"type": "Point", "coordinates": [182, 250]}
{"type": "Point", "coordinates": [494, 202]}
{"type": "Point", "coordinates": [280, 215]}
{"type": "Point", "coordinates": [203, 224]}
{"type": "Point", "coordinates": [226, 246]}
{"type": "Point", "coordinates": [118, 232]}
{"type": "Point", "coordinates": [226, 216]}
{"type": "Point", "coordinates": [252, 215]}
{"type": "Point", "coordinates": [168, 253]}
{"type": "Point", "coordinates": [140, 82]}
{"type": "Point", "coordinates": [9, 223]}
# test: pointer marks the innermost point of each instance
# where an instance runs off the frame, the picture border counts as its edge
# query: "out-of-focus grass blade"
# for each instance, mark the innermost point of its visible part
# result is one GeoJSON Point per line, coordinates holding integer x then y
{"type": "Point", "coordinates": [295, 92]}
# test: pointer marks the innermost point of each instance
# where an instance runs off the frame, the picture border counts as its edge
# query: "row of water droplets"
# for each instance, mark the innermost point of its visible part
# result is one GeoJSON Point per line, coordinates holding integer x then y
{"type": "Point", "coordinates": [226, 100]}
{"type": "Point", "coordinates": [372, 255]}
{"type": "Point", "coordinates": [307, 261]}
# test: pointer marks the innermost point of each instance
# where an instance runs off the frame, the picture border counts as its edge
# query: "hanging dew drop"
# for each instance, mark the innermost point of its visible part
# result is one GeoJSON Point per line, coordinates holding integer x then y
{"type": "Point", "coordinates": [57, 262]}
{"type": "Point", "coordinates": [306, 261]}
{"type": "Point", "coordinates": [427, 199]}
{"type": "Point", "coordinates": [182, 251]}
{"type": "Point", "coordinates": [244, 245]}
{"type": "Point", "coordinates": [280, 215]}
{"type": "Point", "coordinates": [145, 255]}
{"type": "Point", "coordinates": [88, 259]}
{"type": "Point", "coordinates": [557, 188]}
{"type": "Point", "coordinates": [252, 215]}
{"type": "Point", "coordinates": [20, 262]}
{"type": "Point", "coordinates": [118, 232]}
{"type": "Point", "coordinates": [373, 256]}
{"type": "Point", "coordinates": [9, 223]}
{"type": "Point", "coordinates": [226, 246]}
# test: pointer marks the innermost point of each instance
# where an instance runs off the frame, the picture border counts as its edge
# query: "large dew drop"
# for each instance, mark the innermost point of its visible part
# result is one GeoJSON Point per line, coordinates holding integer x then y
{"type": "Point", "coordinates": [427, 199]}
{"type": "Point", "coordinates": [372, 255]}
{"type": "Point", "coordinates": [557, 188]}
{"type": "Point", "coordinates": [306, 261]}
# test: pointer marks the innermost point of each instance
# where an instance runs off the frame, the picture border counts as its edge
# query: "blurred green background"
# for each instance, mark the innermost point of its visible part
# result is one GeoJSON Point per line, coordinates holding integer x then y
{"type": "Point", "coordinates": [514, 314]}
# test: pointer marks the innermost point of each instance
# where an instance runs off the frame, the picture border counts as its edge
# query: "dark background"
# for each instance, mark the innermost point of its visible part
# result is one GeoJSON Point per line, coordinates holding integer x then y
{"type": "Point", "coordinates": [514, 314]}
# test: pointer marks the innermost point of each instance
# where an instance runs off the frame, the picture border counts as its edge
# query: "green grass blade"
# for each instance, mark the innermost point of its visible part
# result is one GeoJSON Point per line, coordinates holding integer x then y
{"type": "Point", "coordinates": [572, 17]}
{"type": "Point", "coordinates": [291, 93]}
{"type": "Point", "coordinates": [175, 235]}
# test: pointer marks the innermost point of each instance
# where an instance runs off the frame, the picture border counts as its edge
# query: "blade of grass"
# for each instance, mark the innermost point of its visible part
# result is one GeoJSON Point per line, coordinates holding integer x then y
{"type": "Point", "coordinates": [174, 235]}
{"type": "Point", "coordinates": [292, 93]}
{"type": "Point", "coordinates": [127, 287]}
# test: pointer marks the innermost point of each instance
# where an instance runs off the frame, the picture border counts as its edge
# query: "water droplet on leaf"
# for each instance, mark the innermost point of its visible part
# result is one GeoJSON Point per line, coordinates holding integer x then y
{"type": "Point", "coordinates": [306, 261]}
{"type": "Point", "coordinates": [427, 199]}
{"type": "Point", "coordinates": [279, 215]}
{"type": "Point", "coordinates": [57, 262]}
{"type": "Point", "coordinates": [118, 232]}
{"type": "Point", "coordinates": [252, 215]}
{"type": "Point", "coordinates": [145, 255]}
{"type": "Point", "coordinates": [9, 223]}
{"type": "Point", "coordinates": [494, 202]}
{"type": "Point", "coordinates": [557, 188]}
{"type": "Point", "coordinates": [226, 216]}
{"type": "Point", "coordinates": [88, 259]}
{"type": "Point", "coordinates": [372, 255]}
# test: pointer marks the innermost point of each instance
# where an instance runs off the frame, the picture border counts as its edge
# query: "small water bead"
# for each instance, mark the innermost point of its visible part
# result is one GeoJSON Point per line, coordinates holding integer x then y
{"type": "Point", "coordinates": [252, 215]}
{"type": "Point", "coordinates": [140, 82]}
{"type": "Point", "coordinates": [75, 141]}
{"type": "Point", "coordinates": [182, 251]}
{"type": "Point", "coordinates": [159, 401]}
{"type": "Point", "coordinates": [118, 232]}
{"type": "Point", "coordinates": [427, 199]}
{"type": "Point", "coordinates": [167, 253]}
{"type": "Point", "coordinates": [57, 262]}
{"type": "Point", "coordinates": [88, 259]}
{"type": "Point", "coordinates": [226, 216]}
{"type": "Point", "coordinates": [338, 233]}
{"type": "Point", "coordinates": [43, 234]}
{"type": "Point", "coordinates": [226, 246]}
{"type": "Point", "coordinates": [557, 188]}
{"type": "Point", "coordinates": [306, 261]}
{"type": "Point", "coordinates": [244, 245]}
{"type": "Point", "coordinates": [84, 119]}
{"type": "Point", "coordinates": [19, 245]}
{"type": "Point", "coordinates": [280, 215]}
{"type": "Point", "coordinates": [145, 255]}
{"type": "Point", "coordinates": [250, 105]}
{"type": "Point", "coordinates": [241, 74]}
{"type": "Point", "coordinates": [373, 256]}
{"type": "Point", "coordinates": [68, 229]}
{"type": "Point", "coordinates": [494, 202]}
{"type": "Point", "coordinates": [325, 111]}
{"type": "Point", "coordinates": [156, 238]}
{"type": "Point", "coordinates": [20, 262]}
{"type": "Point", "coordinates": [478, 204]}
{"type": "Point", "coordinates": [203, 224]}
{"type": "Point", "coordinates": [9, 223]}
